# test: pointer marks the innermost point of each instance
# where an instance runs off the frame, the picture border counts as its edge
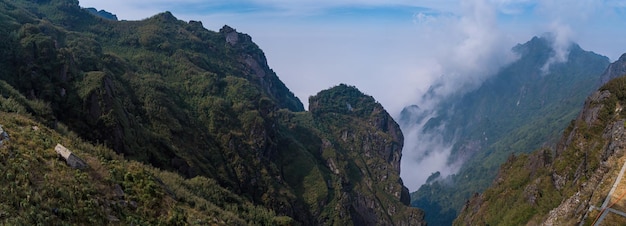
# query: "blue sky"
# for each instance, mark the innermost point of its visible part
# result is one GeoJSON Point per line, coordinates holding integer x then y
{"type": "Point", "coordinates": [395, 49]}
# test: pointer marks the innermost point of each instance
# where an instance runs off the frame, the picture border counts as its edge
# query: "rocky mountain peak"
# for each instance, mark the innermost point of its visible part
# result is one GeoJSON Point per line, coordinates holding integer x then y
{"type": "Point", "coordinates": [166, 16]}
{"type": "Point", "coordinates": [342, 99]}
{"type": "Point", "coordinates": [102, 13]}
{"type": "Point", "coordinates": [533, 44]}
{"type": "Point", "coordinates": [361, 129]}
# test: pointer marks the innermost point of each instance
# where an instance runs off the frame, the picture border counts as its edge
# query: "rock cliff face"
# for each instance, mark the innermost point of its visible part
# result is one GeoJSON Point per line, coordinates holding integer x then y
{"type": "Point", "coordinates": [362, 147]}
{"type": "Point", "coordinates": [566, 185]}
{"type": "Point", "coordinates": [254, 65]}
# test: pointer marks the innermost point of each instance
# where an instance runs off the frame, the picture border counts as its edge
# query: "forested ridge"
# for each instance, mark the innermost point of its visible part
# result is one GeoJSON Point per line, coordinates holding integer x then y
{"type": "Point", "coordinates": [180, 125]}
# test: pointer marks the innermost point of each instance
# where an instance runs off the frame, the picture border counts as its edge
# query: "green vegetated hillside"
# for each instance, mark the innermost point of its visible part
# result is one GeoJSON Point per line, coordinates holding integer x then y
{"type": "Point", "coordinates": [207, 131]}
{"type": "Point", "coordinates": [40, 188]}
{"type": "Point", "coordinates": [568, 184]}
{"type": "Point", "coordinates": [518, 110]}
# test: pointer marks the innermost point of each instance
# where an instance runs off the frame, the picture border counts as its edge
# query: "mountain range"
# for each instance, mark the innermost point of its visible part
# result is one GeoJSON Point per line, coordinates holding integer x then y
{"type": "Point", "coordinates": [523, 107]}
{"type": "Point", "coordinates": [167, 123]}
{"type": "Point", "coordinates": [179, 125]}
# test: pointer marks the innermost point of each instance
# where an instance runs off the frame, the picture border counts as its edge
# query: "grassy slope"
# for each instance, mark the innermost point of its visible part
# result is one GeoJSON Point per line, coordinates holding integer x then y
{"type": "Point", "coordinates": [40, 187]}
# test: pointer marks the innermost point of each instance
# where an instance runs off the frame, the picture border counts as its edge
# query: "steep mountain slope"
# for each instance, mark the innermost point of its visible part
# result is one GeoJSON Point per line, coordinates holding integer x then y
{"type": "Point", "coordinates": [568, 184]}
{"type": "Point", "coordinates": [40, 188]}
{"type": "Point", "coordinates": [203, 104]}
{"type": "Point", "coordinates": [519, 109]}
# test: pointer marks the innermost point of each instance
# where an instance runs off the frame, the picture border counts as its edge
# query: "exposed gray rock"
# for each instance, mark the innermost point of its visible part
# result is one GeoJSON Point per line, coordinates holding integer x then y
{"type": "Point", "coordinates": [558, 181]}
{"type": "Point", "coordinates": [70, 158]}
{"type": "Point", "coordinates": [255, 66]}
{"type": "Point", "coordinates": [117, 191]}
{"type": "Point", "coordinates": [112, 218]}
{"type": "Point", "coordinates": [232, 37]}
{"type": "Point", "coordinates": [4, 136]}
{"type": "Point", "coordinates": [102, 13]}
{"type": "Point", "coordinates": [592, 106]}
{"type": "Point", "coordinates": [531, 192]}
{"type": "Point", "coordinates": [615, 136]}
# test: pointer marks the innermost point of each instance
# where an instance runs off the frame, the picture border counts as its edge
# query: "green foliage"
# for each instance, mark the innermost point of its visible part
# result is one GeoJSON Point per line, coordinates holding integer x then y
{"type": "Point", "coordinates": [41, 188]}
{"type": "Point", "coordinates": [617, 87]}
{"type": "Point", "coordinates": [342, 99]}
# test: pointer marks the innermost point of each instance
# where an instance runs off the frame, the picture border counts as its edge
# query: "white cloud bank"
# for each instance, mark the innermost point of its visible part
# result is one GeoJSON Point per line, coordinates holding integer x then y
{"type": "Point", "coordinates": [476, 49]}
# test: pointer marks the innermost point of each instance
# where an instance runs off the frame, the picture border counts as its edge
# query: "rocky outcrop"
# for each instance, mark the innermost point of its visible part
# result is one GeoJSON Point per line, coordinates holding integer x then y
{"type": "Point", "coordinates": [70, 158]}
{"type": "Point", "coordinates": [4, 136]}
{"type": "Point", "coordinates": [593, 107]}
{"type": "Point", "coordinates": [232, 37]}
{"type": "Point", "coordinates": [254, 65]}
{"type": "Point", "coordinates": [102, 13]}
{"type": "Point", "coordinates": [367, 144]}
